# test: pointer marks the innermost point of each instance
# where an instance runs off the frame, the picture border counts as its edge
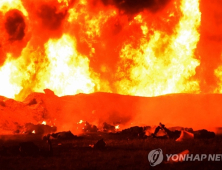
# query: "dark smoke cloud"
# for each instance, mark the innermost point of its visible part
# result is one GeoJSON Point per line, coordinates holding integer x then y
{"type": "Point", "coordinates": [13, 34]}
{"type": "Point", "coordinates": [46, 19]}
{"type": "Point", "coordinates": [15, 25]}
{"type": "Point", "coordinates": [136, 6]}
{"type": "Point", "coordinates": [51, 19]}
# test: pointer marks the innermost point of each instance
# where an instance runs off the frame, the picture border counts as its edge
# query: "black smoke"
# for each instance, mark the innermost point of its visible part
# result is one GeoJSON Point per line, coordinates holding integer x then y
{"type": "Point", "coordinates": [136, 6]}
{"type": "Point", "coordinates": [51, 19]}
{"type": "Point", "coordinates": [15, 25]}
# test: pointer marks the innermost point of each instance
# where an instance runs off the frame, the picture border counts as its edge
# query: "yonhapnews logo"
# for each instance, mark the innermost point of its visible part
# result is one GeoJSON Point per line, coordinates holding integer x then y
{"type": "Point", "coordinates": [155, 157]}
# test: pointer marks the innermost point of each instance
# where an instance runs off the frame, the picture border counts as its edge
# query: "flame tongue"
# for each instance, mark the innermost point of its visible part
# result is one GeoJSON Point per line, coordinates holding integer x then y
{"type": "Point", "coordinates": [67, 71]}
{"type": "Point", "coordinates": [154, 73]}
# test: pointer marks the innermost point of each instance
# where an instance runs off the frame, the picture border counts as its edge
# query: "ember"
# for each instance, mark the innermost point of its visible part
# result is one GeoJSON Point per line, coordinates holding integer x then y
{"type": "Point", "coordinates": [43, 122]}
{"type": "Point", "coordinates": [117, 127]}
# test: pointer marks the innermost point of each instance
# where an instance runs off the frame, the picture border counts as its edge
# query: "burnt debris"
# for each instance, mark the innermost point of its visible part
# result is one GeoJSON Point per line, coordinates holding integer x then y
{"type": "Point", "coordinates": [100, 144]}
{"type": "Point", "coordinates": [203, 134]}
{"type": "Point", "coordinates": [66, 135]}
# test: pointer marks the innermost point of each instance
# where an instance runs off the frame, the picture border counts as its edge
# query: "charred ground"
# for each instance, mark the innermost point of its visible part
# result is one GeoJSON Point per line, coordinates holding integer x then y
{"type": "Point", "coordinates": [120, 153]}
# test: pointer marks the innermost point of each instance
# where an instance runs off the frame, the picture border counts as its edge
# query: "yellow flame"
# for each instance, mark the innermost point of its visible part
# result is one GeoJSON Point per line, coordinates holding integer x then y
{"type": "Point", "coordinates": [66, 2]}
{"type": "Point", "coordinates": [6, 5]}
{"type": "Point", "coordinates": [44, 122]}
{"type": "Point", "coordinates": [33, 131]}
{"type": "Point", "coordinates": [143, 27]}
{"type": "Point", "coordinates": [92, 23]}
{"type": "Point", "coordinates": [83, 2]}
{"type": "Point", "coordinates": [63, 70]}
{"type": "Point", "coordinates": [68, 72]}
{"type": "Point", "coordinates": [9, 85]}
{"type": "Point", "coordinates": [165, 63]}
{"type": "Point", "coordinates": [138, 18]}
{"type": "Point", "coordinates": [117, 127]}
{"type": "Point", "coordinates": [161, 64]}
{"type": "Point", "coordinates": [218, 74]}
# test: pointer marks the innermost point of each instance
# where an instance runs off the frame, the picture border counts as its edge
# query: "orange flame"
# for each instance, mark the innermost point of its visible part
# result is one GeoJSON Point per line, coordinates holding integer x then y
{"type": "Point", "coordinates": [80, 46]}
{"type": "Point", "coordinates": [164, 64]}
{"type": "Point", "coordinates": [78, 57]}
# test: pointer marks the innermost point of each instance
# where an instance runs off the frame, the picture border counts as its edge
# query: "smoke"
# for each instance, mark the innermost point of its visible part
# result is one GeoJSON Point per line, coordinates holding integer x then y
{"type": "Point", "coordinates": [49, 17]}
{"type": "Point", "coordinates": [15, 25]}
{"type": "Point", "coordinates": [13, 34]}
{"type": "Point", "coordinates": [134, 7]}
{"type": "Point", "coordinates": [46, 20]}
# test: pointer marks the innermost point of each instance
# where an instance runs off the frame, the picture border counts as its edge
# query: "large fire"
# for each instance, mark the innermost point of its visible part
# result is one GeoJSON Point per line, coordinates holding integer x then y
{"type": "Point", "coordinates": [86, 46]}
{"type": "Point", "coordinates": [138, 48]}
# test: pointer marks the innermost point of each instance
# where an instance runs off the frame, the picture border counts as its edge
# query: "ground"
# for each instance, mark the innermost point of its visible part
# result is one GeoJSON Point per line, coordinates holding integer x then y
{"type": "Point", "coordinates": [120, 153]}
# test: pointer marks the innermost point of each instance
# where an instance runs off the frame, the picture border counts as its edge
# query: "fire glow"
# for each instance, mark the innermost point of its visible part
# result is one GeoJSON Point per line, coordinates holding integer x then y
{"type": "Point", "coordinates": [43, 122]}
{"type": "Point", "coordinates": [70, 48]}
{"type": "Point", "coordinates": [138, 48]}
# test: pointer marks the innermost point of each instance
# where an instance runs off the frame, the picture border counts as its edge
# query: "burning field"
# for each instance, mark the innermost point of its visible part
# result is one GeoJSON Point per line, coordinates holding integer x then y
{"type": "Point", "coordinates": [130, 48]}
{"type": "Point", "coordinates": [105, 66]}
{"type": "Point", "coordinates": [99, 111]}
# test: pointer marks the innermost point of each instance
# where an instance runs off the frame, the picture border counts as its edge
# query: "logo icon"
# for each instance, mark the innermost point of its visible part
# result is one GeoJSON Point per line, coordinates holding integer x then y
{"type": "Point", "coordinates": [155, 157]}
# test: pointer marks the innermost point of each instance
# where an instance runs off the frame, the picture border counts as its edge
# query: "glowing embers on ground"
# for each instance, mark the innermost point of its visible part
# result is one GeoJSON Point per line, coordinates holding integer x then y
{"type": "Point", "coordinates": [165, 63]}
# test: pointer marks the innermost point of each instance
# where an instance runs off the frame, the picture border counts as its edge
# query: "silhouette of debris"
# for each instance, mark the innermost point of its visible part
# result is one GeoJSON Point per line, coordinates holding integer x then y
{"type": "Point", "coordinates": [100, 144]}
{"type": "Point", "coordinates": [203, 134]}
{"type": "Point", "coordinates": [66, 135]}
{"type": "Point", "coordinates": [108, 128]}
